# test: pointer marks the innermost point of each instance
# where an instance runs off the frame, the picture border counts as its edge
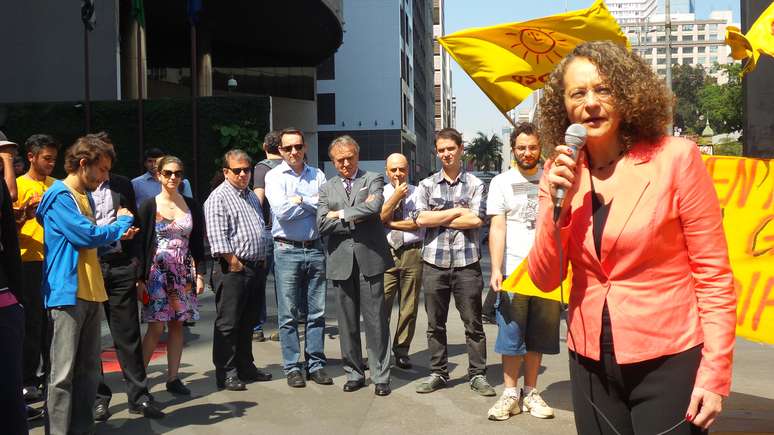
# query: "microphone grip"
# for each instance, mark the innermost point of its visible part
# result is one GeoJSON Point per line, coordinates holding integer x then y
{"type": "Point", "coordinates": [560, 191]}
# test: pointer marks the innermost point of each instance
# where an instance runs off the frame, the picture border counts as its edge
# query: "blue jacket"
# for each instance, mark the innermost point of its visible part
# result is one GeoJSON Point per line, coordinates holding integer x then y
{"type": "Point", "coordinates": [66, 230]}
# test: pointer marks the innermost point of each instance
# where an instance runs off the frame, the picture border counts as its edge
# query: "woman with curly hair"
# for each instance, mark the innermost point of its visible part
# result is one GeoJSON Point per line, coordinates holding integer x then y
{"type": "Point", "coordinates": [652, 309]}
{"type": "Point", "coordinates": [172, 237]}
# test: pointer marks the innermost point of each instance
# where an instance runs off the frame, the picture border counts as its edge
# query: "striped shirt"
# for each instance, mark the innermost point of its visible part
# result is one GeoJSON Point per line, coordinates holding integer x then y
{"type": "Point", "coordinates": [446, 247]}
{"type": "Point", "coordinates": [235, 223]}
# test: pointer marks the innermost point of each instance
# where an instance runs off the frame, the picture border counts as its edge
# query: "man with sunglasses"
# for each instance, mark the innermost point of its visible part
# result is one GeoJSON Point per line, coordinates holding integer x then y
{"type": "Point", "coordinates": [292, 189]}
{"type": "Point", "coordinates": [234, 229]}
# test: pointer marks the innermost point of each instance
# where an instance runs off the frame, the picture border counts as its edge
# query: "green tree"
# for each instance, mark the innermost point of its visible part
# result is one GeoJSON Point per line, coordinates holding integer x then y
{"type": "Point", "coordinates": [687, 81]}
{"type": "Point", "coordinates": [485, 152]}
{"type": "Point", "coordinates": [722, 103]}
{"type": "Point", "coordinates": [243, 135]}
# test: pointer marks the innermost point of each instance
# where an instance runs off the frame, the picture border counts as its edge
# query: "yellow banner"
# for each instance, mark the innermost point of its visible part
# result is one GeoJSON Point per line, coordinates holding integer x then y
{"type": "Point", "coordinates": [758, 40]}
{"type": "Point", "coordinates": [509, 61]}
{"type": "Point", "coordinates": [745, 188]}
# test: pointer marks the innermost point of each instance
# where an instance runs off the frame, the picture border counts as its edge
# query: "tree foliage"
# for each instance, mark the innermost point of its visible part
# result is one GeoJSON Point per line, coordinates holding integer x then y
{"type": "Point", "coordinates": [687, 81]}
{"type": "Point", "coordinates": [485, 152]}
{"type": "Point", "coordinates": [722, 104]}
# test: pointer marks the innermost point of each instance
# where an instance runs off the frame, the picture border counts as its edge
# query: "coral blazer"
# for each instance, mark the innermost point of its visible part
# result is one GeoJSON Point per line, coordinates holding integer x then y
{"type": "Point", "coordinates": [664, 267]}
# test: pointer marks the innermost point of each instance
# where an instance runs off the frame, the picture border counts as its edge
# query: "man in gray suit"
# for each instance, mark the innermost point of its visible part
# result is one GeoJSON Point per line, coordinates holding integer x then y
{"type": "Point", "coordinates": [348, 214]}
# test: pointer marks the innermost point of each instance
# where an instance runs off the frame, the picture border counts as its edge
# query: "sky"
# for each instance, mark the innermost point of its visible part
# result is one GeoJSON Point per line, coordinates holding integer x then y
{"type": "Point", "coordinates": [474, 110]}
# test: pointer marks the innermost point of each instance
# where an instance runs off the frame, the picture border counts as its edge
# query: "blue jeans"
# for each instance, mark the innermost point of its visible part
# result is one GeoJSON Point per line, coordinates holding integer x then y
{"type": "Point", "coordinates": [299, 276]}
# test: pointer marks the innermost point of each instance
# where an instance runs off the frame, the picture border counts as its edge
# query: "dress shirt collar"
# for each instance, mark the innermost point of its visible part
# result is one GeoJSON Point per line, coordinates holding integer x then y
{"type": "Point", "coordinates": [285, 167]}
{"type": "Point", "coordinates": [439, 178]}
{"type": "Point", "coordinates": [241, 192]}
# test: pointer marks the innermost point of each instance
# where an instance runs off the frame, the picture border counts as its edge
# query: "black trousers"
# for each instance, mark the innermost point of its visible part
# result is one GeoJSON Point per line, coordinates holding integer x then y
{"type": "Point", "coordinates": [466, 284]}
{"type": "Point", "coordinates": [648, 397]}
{"type": "Point", "coordinates": [36, 338]}
{"type": "Point", "coordinates": [13, 413]}
{"type": "Point", "coordinates": [122, 315]}
{"type": "Point", "coordinates": [237, 302]}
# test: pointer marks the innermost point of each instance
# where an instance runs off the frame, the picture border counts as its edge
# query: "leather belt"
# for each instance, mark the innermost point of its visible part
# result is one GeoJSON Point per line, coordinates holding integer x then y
{"type": "Point", "coordinates": [297, 243]}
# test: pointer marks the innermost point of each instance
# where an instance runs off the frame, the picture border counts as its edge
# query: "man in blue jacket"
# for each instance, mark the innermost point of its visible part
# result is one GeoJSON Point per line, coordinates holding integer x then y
{"type": "Point", "coordinates": [73, 288]}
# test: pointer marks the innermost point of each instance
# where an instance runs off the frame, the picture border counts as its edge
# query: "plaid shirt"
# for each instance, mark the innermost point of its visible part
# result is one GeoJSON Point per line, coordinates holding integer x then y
{"type": "Point", "coordinates": [235, 223]}
{"type": "Point", "coordinates": [446, 247]}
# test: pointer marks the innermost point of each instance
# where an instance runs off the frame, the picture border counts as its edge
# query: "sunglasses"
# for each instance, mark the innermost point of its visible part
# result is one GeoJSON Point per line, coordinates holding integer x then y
{"type": "Point", "coordinates": [237, 171]}
{"type": "Point", "coordinates": [289, 148]}
{"type": "Point", "coordinates": [168, 174]}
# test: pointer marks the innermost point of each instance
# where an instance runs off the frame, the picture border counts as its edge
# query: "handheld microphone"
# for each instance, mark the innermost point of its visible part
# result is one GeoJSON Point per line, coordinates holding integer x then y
{"type": "Point", "coordinates": [575, 138]}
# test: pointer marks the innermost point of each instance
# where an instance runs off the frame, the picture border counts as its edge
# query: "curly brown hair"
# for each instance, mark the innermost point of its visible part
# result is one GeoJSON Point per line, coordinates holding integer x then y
{"type": "Point", "coordinates": [639, 96]}
{"type": "Point", "coordinates": [90, 148]}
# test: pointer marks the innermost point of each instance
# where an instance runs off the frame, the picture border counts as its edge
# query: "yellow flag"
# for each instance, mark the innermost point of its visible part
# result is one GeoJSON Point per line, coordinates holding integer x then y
{"type": "Point", "coordinates": [758, 40]}
{"type": "Point", "coordinates": [519, 282]}
{"type": "Point", "coordinates": [509, 61]}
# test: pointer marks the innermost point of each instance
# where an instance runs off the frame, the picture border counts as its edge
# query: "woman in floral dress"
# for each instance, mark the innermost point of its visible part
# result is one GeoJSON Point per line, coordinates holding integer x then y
{"type": "Point", "coordinates": [172, 233]}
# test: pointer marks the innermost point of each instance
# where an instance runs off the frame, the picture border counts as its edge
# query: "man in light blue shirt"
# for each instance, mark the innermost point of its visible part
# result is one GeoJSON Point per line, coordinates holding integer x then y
{"type": "Point", "coordinates": [147, 185]}
{"type": "Point", "coordinates": [299, 261]}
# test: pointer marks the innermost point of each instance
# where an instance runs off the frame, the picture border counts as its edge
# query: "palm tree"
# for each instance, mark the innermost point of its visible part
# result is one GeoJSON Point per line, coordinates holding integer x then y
{"type": "Point", "coordinates": [484, 152]}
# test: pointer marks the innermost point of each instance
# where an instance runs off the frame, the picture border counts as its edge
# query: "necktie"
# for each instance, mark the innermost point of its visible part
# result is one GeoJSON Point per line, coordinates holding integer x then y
{"type": "Point", "coordinates": [348, 186]}
{"type": "Point", "coordinates": [396, 237]}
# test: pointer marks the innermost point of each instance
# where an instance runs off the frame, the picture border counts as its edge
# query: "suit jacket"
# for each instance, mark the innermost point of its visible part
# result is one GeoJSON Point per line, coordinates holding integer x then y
{"type": "Point", "coordinates": [147, 236]}
{"type": "Point", "coordinates": [664, 268]}
{"type": "Point", "coordinates": [360, 235]}
{"type": "Point", "coordinates": [122, 194]}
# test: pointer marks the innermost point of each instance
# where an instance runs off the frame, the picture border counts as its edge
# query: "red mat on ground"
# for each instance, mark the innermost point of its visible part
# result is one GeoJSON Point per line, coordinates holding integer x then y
{"type": "Point", "coordinates": [110, 359]}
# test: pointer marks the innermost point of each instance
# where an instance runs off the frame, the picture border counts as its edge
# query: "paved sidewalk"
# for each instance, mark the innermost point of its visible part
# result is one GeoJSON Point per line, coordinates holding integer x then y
{"type": "Point", "coordinates": [274, 408]}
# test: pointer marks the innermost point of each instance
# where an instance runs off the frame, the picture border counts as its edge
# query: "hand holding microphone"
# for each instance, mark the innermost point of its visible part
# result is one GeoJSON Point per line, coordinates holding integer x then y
{"type": "Point", "coordinates": [561, 176]}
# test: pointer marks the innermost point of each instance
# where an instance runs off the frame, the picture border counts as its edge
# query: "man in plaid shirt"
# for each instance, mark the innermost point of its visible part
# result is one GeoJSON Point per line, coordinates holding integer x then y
{"type": "Point", "coordinates": [234, 229]}
{"type": "Point", "coordinates": [451, 206]}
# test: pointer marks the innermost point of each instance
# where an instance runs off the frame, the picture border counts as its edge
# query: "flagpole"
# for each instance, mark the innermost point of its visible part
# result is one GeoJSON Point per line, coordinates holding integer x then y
{"type": "Point", "coordinates": [511, 121]}
{"type": "Point", "coordinates": [87, 79]}
{"type": "Point", "coordinates": [194, 109]}
{"type": "Point", "coordinates": [140, 116]}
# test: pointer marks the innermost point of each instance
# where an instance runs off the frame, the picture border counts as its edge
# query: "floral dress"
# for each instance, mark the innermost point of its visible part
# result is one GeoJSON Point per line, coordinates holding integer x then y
{"type": "Point", "coordinates": [171, 281]}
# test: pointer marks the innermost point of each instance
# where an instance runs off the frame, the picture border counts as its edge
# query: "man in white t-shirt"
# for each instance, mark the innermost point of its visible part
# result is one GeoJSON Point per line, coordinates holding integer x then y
{"type": "Point", "coordinates": [528, 326]}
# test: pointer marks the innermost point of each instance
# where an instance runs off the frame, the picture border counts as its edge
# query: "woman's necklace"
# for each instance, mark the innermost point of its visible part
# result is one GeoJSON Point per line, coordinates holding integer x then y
{"type": "Point", "coordinates": [606, 165]}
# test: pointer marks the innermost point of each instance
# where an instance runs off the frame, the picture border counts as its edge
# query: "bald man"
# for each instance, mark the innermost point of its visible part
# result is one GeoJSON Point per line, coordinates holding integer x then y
{"type": "Point", "coordinates": [405, 240]}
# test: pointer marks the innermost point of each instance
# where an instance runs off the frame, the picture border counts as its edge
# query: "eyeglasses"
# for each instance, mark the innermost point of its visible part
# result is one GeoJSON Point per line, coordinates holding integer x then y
{"type": "Point", "coordinates": [289, 148]}
{"type": "Point", "coordinates": [237, 171]}
{"type": "Point", "coordinates": [168, 174]}
{"type": "Point", "coordinates": [601, 92]}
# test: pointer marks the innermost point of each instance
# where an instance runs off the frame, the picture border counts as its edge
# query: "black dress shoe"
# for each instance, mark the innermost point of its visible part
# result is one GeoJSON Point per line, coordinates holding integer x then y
{"type": "Point", "coordinates": [255, 375]}
{"type": "Point", "coordinates": [101, 411]}
{"type": "Point", "coordinates": [382, 390]}
{"type": "Point", "coordinates": [147, 407]}
{"type": "Point", "coordinates": [351, 386]}
{"type": "Point", "coordinates": [320, 377]}
{"type": "Point", "coordinates": [296, 380]}
{"type": "Point", "coordinates": [233, 383]}
{"type": "Point", "coordinates": [175, 386]}
{"type": "Point", "coordinates": [402, 362]}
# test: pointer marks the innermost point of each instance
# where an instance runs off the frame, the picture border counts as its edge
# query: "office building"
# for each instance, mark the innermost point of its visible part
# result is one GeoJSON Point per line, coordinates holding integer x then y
{"type": "Point", "coordinates": [378, 87]}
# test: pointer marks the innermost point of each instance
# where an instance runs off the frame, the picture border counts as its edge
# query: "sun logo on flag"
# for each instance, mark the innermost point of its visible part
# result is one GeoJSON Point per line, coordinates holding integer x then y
{"type": "Point", "coordinates": [537, 42]}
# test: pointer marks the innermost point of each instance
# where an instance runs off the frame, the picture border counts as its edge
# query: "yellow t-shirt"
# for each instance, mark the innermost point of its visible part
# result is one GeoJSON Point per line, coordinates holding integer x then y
{"type": "Point", "coordinates": [31, 233]}
{"type": "Point", "coordinates": [91, 286]}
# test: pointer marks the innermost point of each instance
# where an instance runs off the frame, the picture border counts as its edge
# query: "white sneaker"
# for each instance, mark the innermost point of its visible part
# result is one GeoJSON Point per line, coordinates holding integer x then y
{"type": "Point", "coordinates": [536, 406]}
{"type": "Point", "coordinates": [504, 408]}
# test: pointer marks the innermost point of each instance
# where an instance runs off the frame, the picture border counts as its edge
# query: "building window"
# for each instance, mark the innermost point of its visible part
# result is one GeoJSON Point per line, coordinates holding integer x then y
{"type": "Point", "coordinates": [701, 49]}
{"type": "Point", "coordinates": [327, 69]}
{"type": "Point", "coordinates": [674, 50]}
{"type": "Point", "coordinates": [701, 37]}
{"type": "Point", "coordinates": [326, 109]}
{"type": "Point", "coordinates": [687, 27]}
{"type": "Point", "coordinates": [687, 38]}
{"type": "Point", "coordinates": [714, 37]}
{"type": "Point", "coordinates": [700, 27]}
{"type": "Point", "coordinates": [687, 50]}
{"type": "Point", "coordinates": [673, 38]}
{"type": "Point", "coordinates": [713, 49]}
{"type": "Point", "coordinates": [661, 61]}
{"type": "Point", "coordinates": [713, 59]}
{"type": "Point", "coordinates": [713, 27]}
